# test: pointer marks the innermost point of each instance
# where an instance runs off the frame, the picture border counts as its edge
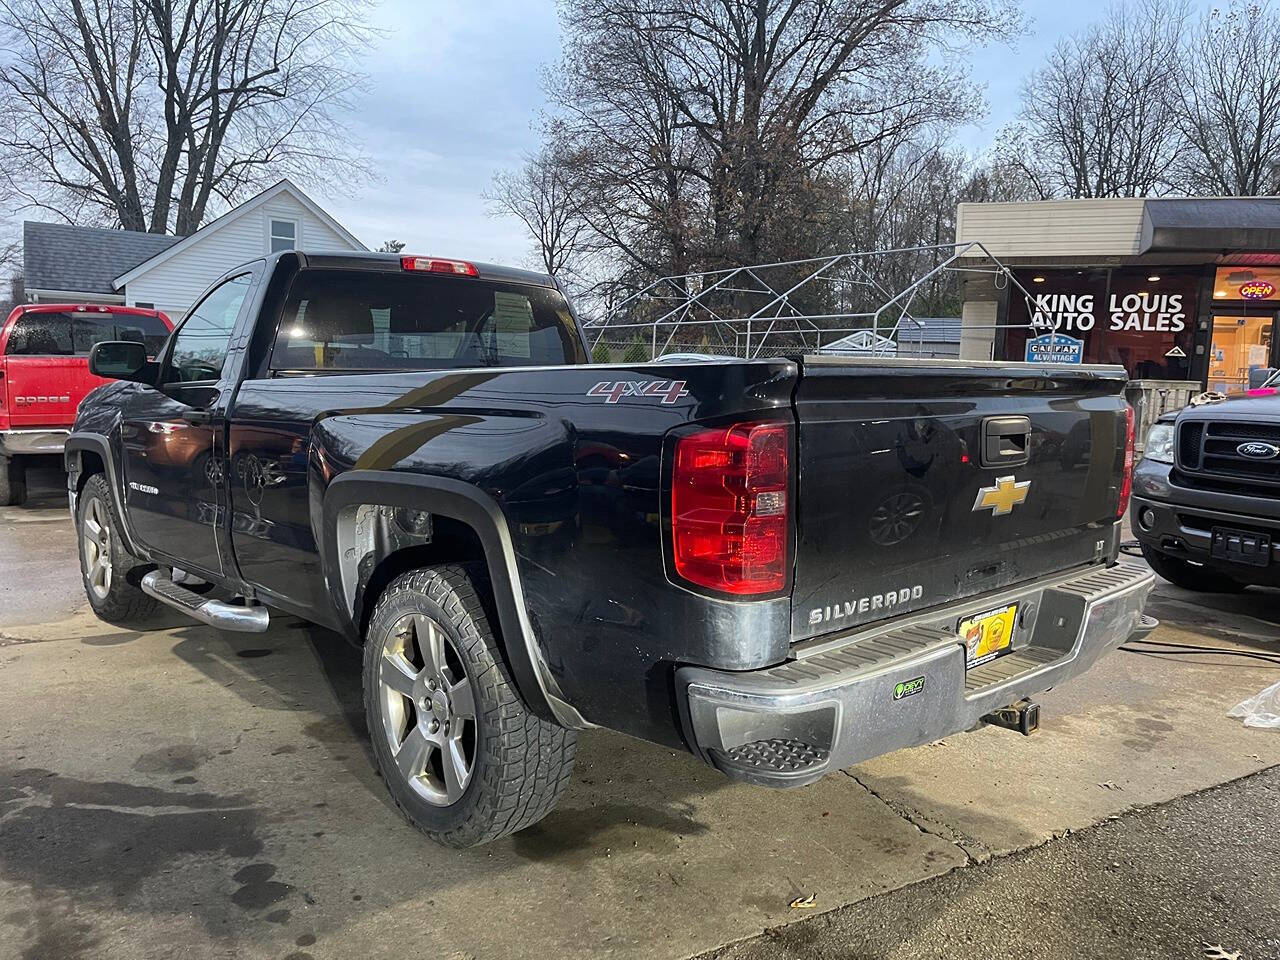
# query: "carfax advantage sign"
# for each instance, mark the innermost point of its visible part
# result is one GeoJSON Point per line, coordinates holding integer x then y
{"type": "Point", "coordinates": [1055, 348]}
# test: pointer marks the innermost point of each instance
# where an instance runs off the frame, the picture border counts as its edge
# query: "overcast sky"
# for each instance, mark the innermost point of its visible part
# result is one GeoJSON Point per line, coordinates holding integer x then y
{"type": "Point", "coordinates": [454, 95]}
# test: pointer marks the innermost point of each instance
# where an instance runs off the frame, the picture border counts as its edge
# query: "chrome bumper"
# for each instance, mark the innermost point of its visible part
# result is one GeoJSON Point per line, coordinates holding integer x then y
{"type": "Point", "coordinates": [849, 699]}
{"type": "Point", "coordinates": [25, 442]}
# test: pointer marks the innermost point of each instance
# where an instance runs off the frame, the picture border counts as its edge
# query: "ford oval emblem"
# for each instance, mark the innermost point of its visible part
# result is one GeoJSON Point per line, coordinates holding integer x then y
{"type": "Point", "coordinates": [1256, 450]}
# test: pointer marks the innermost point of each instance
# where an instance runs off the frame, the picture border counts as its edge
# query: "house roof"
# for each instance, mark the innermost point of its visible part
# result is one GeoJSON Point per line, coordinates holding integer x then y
{"type": "Point", "coordinates": [65, 257]}
{"type": "Point", "coordinates": [930, 330]}
{"type": "Point", "coordinates": [862, 341]}
{"type": "Point", "coordinates": [213, 226]}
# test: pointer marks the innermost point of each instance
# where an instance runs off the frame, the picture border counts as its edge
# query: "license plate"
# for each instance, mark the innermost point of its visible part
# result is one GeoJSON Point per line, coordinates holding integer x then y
{"type": "Point", "coordinates": [988, 635]}
{"type": "Point", "coordinates": [1240, 546]}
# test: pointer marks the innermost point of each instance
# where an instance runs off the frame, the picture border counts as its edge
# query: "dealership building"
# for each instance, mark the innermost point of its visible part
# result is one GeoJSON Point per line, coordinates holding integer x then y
{"type": "Point", "coordinates": [1184, 293]}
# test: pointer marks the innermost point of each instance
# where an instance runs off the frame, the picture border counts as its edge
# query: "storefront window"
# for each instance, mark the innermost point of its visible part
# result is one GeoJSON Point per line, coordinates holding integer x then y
{"type": "Point", "coordinates": [1245, 304]}
{"type": "Point", "coordinates": [1252, 284]}
{"type": "Point", "coordinates": [1142, 319]}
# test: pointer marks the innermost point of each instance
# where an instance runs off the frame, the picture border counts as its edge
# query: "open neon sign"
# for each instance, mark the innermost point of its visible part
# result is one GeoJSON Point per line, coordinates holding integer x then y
{"type": "Point", "coordinates": [1257, 290]}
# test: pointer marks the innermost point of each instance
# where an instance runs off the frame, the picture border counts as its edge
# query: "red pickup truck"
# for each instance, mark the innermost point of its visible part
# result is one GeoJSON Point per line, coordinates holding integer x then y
{"type": "Point", "coordinates": [44, 374]}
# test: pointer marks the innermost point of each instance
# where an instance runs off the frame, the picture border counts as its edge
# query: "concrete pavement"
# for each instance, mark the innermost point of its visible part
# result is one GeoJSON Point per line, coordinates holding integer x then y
{"type": "Point", "coordinates": [177, 792]}
{"type": "Point", "coordinates": [1173, 881]}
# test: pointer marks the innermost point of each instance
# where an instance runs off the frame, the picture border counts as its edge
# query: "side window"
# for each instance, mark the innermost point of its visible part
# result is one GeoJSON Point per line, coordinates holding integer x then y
{"type": "Point", "coordinates": [200, 345]}
{"type": "Point", "coordinates": [40, 335]}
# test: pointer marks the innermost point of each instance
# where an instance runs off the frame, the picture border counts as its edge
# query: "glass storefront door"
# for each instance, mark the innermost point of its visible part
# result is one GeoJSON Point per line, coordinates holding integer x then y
{"type": "Point", "coordinates": [1241, 342]}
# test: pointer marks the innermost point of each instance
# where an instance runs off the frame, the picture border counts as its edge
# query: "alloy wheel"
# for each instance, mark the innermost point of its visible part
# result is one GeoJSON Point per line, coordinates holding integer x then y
{"type": "Point", "coordinates": [97, 548]}
{"type": "Point", "coordinates": [428, 709]}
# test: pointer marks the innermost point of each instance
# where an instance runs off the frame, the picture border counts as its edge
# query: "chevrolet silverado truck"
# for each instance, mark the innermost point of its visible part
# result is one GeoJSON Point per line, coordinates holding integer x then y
{"type": "Point", "coordinates": [1206, 502]}
{"type": "Point", "coordinates": [44, 374]}
{"type": "Point", "coordinates": [782, 566]}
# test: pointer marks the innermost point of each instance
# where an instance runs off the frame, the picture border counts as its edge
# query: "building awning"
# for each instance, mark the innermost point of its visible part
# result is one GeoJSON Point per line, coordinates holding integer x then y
{"type": "Point", "coordinates": [1219, 224]}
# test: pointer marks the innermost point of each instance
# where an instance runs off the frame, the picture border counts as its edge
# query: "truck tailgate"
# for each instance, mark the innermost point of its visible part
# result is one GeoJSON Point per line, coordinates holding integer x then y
{"type": "Point", "coordinates": [45, 391]}
{"type": "Point", "coordinates": [897, 507]}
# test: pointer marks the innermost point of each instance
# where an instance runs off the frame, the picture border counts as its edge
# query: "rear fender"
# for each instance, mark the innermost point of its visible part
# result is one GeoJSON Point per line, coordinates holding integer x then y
{"type": "Point", "coordinates": [441, 497]}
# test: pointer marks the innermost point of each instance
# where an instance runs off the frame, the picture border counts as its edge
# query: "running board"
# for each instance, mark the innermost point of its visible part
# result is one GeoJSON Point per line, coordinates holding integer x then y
{"type": "Point", "coordinates": [216, 613]}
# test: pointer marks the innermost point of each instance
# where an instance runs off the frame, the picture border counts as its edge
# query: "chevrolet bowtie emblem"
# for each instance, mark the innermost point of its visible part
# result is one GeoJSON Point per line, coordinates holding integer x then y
{"type": "Point", "coordinates": [1003, 497]}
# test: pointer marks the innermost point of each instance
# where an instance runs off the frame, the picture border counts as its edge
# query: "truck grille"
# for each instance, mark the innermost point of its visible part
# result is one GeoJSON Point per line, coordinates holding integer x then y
{"type": "Point", "coordinates": [1208, 452]}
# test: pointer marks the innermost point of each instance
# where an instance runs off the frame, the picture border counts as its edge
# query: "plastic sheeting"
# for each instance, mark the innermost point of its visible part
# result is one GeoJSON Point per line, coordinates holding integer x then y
{"type": "Point", "coordinates": [1260, 711]}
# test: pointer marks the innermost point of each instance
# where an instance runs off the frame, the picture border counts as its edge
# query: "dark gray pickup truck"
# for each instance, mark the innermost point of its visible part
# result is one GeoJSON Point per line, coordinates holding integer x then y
{"type": "Point", "coordinates": [1206, 503]}
{"type": "Point", "coordinates": [783, 566]}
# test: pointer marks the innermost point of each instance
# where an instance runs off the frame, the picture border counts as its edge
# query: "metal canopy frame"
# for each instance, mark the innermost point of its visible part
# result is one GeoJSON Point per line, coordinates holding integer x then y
{"type": "Point", "coordinates": [751, 309]}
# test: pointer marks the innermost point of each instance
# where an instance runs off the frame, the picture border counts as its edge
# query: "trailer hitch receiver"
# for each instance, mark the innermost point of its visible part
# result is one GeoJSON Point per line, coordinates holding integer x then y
{"type": "Point", "coordinates": [1023, 716]}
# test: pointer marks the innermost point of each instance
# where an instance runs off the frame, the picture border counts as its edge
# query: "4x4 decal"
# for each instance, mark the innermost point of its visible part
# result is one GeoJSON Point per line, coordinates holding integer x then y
{"type": "Point", "coordinates": [614, 390]}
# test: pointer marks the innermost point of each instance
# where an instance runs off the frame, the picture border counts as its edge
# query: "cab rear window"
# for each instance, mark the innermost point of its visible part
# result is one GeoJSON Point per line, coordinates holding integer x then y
{"type": "Point", "coordinates": [74, 334]}
{"type": "Point", "coordinates": [337, 320]}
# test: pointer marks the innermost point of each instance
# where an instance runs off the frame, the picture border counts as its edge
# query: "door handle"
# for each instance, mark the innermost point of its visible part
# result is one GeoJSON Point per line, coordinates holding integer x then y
{"type": "Point", "coordinates": [197, 417]}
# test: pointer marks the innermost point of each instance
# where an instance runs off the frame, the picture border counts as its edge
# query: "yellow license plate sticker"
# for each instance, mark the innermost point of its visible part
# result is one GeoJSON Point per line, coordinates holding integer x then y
{"type": "Point", "coordinates": [989, 634]}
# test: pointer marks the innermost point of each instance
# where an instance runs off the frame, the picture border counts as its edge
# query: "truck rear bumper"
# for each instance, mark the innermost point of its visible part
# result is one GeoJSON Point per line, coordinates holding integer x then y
{"type": "Point", "coordinates": [25, 442]}
{"type": "Point", "coordinates": [855, 697]}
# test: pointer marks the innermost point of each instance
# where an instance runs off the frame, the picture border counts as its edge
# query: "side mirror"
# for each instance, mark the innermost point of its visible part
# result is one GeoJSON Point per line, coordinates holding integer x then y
{"type": "Point", "coordinates": [119, 360]}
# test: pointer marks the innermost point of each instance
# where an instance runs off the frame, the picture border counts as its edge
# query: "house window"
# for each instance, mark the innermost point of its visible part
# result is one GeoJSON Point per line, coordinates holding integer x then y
{"type": "Point", "coordinates": [284, 235]}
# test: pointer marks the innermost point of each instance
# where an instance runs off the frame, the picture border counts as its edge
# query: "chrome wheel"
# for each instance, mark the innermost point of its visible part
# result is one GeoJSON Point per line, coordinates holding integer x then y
{"type": "Point", "coordinates": [428, 709]}
{"type": "Point", "coordinates": [96, 536]}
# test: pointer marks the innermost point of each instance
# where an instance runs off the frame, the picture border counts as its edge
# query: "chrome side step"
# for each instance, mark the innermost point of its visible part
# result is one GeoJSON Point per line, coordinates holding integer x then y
{"type": "Point", "coordinates": [216, 613]}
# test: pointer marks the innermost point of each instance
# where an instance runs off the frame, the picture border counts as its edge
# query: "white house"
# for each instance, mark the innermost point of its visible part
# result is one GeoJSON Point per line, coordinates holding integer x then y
{"type": "Point", "coordinates": [67, 263]}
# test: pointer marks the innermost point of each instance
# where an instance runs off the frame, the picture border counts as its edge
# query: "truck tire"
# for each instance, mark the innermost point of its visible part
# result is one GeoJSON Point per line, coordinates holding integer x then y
{"type": "Point", "coordinates": [13, 481]}
{"type": "Point", "coordinates": [110, 573]}
{"type": "Point", "coordinates": [1189, 576]}
{"type": "Point", "coordinates": [465, 760]}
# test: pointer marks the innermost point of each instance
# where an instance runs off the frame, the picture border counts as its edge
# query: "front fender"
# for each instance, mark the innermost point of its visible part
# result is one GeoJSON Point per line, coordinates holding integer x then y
{"type": "Point", "coordinates": [80, 443]}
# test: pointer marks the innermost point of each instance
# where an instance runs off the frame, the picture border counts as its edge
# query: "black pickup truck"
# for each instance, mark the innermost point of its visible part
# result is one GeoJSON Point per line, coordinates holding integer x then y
{"type": "Point", "coordinates": [1206, 504]}
{"type": "Point", "coordinates": [784, 566]}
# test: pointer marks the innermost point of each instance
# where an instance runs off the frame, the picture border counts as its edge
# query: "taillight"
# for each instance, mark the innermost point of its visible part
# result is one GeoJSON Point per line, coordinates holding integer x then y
{"type": "Point", "coordinates": [730, 507]}
{"type": "Point", "coordinates": [438, 265]}
{"type": "Point", "coordinates": [1126, 482]}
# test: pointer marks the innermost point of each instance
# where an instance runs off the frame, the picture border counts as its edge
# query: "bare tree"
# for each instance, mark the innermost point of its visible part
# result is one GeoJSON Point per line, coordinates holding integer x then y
{"type": "Point", "coordinates": [391, 246]}
{"type": "Point", "coordinates": [542, 195]}
{"type": "Point", "coordinates": [1100, 118]}
{"type": "Point", "coordinates": [1230, 102]}
{"type": "Point", "coordinates": [150, 111]}
{"type": "Point", "coordinates": [747, 102]}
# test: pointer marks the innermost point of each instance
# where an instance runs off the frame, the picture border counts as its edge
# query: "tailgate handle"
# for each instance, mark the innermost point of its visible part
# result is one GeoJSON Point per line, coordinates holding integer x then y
{"type": "Point", "coordinates": [1006, 441]}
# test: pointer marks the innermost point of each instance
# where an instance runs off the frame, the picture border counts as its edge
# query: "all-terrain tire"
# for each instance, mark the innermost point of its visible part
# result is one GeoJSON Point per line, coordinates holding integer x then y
{"type": "Point", "coordinates": [116, 598]}
{"type": "Point", "coordinates": [13, 481]}
{"type": "Point", "coordinates": [520, 762]}
{"type": "Point", "coordinates": [1187, 575]}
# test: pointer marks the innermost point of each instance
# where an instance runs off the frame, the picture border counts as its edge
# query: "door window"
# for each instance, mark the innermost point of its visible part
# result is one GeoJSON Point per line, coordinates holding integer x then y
{"type": "Point", "coordinates": [200, 345]}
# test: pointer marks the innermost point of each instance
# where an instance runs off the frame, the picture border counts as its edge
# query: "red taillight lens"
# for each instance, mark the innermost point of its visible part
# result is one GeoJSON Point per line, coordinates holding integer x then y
{"type": "Point", "coordinates": [730, 507]}
{"type": "Point", "coordinates": [1126, 482]}
{"type": "Point", "coordinates": [437, 265]}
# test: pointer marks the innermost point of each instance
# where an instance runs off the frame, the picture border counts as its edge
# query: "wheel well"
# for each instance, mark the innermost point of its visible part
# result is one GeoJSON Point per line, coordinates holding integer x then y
{"type": "Point", "coordinates": [452, 541]}
{"type": "Point", "coordinates": [90, 463]}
